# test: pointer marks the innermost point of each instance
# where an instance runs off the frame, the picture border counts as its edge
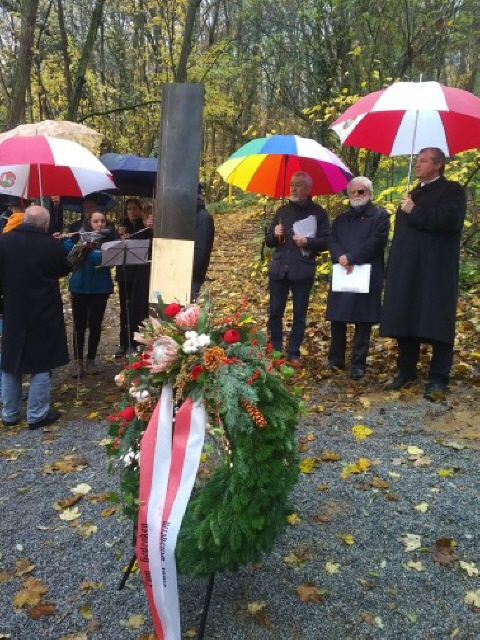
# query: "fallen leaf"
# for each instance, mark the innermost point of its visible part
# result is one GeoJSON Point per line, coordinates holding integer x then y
{"type": "Point", "coordinates": [297, 557]}
{"type": "Point", "coordinates": [309, 592]}
{"type": "Point", "coordinates": [83, 488]}
{"type": "Point", "coordinates": [86, 611]}
{"type": "Point", "coordinates": [412, 617]}
{"type": "Point", "coordinates": [254, 607]}
{"type": "Point", "coordinates": [332, 567]}
{"type": "Point", "coordinates": [444, 554]}
{"type": "Point", "coordinates": [411, 541]}
{"type": "Point", "coordinates": [93, 415]}
{"type": "Point", "coordinates": [109, 511]}
{"type": "Point", "coordinates": [391, 497]}
{"type": "Point", "coordinates": [472, 598]}
{"type": "Point", "coordinates": [307, 465]}
{"type": "Point", "coordinates": [347, 538]}
{"type": "Point", "coordinates": [30, 593]}
{"type": "Point", "coordinates": [66, 464]}
{"type": "Point", "coordinates": [70, 514]}
{"type": "Point", "coordinates": [414, 451]}
{"type": "Point", "coordinates": [40, 610]}
{"type": "Point", "coordinates": [321, 519]}
{"type": "Point", "coordinates": [445, 473]}
{"type": "Point", "coordinates": [135, 621]}
{"type": "Point", "coordinates": [421, 461]}
{"type": "Point", "coordinates": [67, 502]}
{"type": "Point", "coordinates": [422, 507]}
{"type": "Point", "coordinates": [23, 565]}
{"type": "Point", "coordinates": [361, 432]}
{"type": "Point", "coordinates": [323, 486]}
{"type": "Point", "coordinates": [418, 566]}
{"type": "Point", "coordinates": [378, 483]}
{"type": "Point", "coordinates": [293, 519]}
{"type": "Point", "coordinates": [330, 456]}
{"type": "Point", "coordinates": [470, 568]}
{"type": "Point", "coordinates": [86, 529]}
{"type": "Point", "coordinates": [89, 585]}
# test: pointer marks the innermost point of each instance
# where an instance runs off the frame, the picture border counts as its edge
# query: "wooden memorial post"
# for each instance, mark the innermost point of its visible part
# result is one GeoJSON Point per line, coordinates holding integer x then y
{"type": "Point", "coordinates": [180, 145]}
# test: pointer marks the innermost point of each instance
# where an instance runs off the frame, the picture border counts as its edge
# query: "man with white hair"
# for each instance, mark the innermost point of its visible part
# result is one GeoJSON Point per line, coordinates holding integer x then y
{"type": "Point", "coordinates": [299, 231]}
{"type": "Point", "coordinates": [358, 237]}
{"type": "Point", "coordinates": [34, 339]}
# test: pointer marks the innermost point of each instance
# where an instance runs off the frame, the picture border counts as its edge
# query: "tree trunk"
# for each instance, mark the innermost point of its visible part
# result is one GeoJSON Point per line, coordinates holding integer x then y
{"type": "Point", "coordinates": [76, 95]}
{"type": "Point", "coordinates": [64, 47]}
{"type": "Point", "coordinates": [181, 70]}
{"type": "Point", "coordinates": [24, 64]}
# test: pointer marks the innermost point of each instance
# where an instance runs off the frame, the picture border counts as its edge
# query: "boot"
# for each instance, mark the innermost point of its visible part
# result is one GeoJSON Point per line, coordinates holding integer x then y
{"type": "Point", "coordinates": [77, 369]}
{"type": "Point", "coordinates": [91, 368]}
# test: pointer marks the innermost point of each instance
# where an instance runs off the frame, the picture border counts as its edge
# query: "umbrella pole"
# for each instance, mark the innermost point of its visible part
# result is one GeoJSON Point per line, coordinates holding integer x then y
{"type": "Point", "coordinates": [284, 178]}
{"type": "Point", "coordinates": [414, 139]}
{"type": "Point", "coordinates": [40, 184]}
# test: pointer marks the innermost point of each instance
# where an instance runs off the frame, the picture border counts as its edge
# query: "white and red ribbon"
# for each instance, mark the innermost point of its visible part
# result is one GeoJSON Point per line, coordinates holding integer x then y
{"type": "Point", "coordinates": [169, 459]}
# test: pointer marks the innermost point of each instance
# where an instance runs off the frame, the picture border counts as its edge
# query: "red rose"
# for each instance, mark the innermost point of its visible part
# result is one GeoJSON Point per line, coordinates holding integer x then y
{"type": "Point", "coordinates": [172, 309]}
{"type": "Point", "coordinates": [231, 336]}
{"type": "Point", "coordinates": [127, 414]}
{"type": "Point", "coordinates": [196, 371]}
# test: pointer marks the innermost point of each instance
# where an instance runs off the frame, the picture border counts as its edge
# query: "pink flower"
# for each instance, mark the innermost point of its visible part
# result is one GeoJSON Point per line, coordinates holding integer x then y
{"type": "Point", "coordinates": [172, 309]}
{"type": "Point", "coordinates": [163, 354]}
{"type": "Point", "coordinates": [127, 414]}
{"type": "Point", "coordinates": [196, 371]}
{"type": "Point", "coordinates": [188, 318]}
{"type": "Point", "coordinates": [231, 336]}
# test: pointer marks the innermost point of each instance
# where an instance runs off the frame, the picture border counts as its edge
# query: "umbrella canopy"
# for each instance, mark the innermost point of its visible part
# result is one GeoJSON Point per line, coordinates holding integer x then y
{"type": "Point", "coordinates": [265, 166]}
{"type": "Point", "coordinates": [87, 137]}
{"type": "Point", "coordinates": [34, 166]}
{"type": "Point", "coordinates": [409, 116]}
{"type": "Point", "coordinates": [133, 175]}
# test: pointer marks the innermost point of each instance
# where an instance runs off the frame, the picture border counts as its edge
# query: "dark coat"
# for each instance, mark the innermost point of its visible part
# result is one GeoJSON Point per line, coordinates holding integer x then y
{"type": "Point", "coordinates": [204, 237]}
{"type": "Point", "coordinates": [362, 235]}
{"type": "Point", "coordinates": [422, 274]}
{"type": "Point", "coordinates": [289, 260]}
{"type": "Point", "coordinates": [34, 338]}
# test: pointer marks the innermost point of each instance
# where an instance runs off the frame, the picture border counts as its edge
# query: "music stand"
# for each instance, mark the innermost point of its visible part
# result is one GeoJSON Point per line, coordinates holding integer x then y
{"type": "Point", "coordinates": [121, 253]}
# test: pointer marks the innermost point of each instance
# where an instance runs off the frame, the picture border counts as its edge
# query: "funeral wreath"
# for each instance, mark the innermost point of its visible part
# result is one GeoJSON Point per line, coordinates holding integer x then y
{"type": "Point", "coordinates": [239, 506]}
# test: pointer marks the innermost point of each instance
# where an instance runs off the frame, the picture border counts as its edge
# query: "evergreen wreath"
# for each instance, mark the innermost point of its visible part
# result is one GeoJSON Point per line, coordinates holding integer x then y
{"type": "Point", "coordinates": [236, 514]}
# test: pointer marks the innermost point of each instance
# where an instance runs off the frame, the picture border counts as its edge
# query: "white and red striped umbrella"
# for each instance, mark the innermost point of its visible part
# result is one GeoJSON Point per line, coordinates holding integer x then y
{"type": "Point", "coordinates": [409, 116]}
{"type": "Point", "coordinates": [37, 166]}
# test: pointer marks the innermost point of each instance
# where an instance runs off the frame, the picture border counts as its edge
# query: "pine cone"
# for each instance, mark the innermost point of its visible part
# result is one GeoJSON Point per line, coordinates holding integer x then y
{"type": "Point", "coordinates": [254, 412]}
{"type": "Point", "coordinates": [144, 408]}
{"type": "Point", "coordinates": [212, 358]}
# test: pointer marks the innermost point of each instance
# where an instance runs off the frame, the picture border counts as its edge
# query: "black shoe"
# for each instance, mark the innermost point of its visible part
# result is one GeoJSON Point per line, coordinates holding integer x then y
{"type": "Point", "coordinates": [435, 391]}
{"type": "Point", "coordinates": [356, 373]}
{"type": "Point", "coordinates": [335, 366]}
{"type": "Point", "coordinates": [400, 381]}
{"type": "Point", "coordinates": [13, 423]}
{"type": "Point", "coordinates": [50, 418]}
{"type": "Point", "coordinates": [120, 352]}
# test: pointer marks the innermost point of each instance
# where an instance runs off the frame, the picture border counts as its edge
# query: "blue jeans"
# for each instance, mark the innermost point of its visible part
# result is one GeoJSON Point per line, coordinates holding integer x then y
{"type": "Point", "coordinates": [279, 290]}
{"type": "Point", "coordinates": [38, 403]}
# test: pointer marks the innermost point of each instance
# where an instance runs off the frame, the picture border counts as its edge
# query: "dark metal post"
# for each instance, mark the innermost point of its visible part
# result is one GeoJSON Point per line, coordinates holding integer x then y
{"type": "Point", "coordinates": [206, 606]}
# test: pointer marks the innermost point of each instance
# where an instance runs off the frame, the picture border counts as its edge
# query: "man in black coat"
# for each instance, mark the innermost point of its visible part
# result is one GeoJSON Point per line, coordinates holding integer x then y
{"type": "Point", "coordinates": [34, 339]}
{"type": "Point", "coordinates": [422, 275]}
{"type": "Point", "coordinates": [204, 237]}
{"type": "Point", "coordinates": [299, 231]}
{"type": "Point", "coordinates": [358, 237]}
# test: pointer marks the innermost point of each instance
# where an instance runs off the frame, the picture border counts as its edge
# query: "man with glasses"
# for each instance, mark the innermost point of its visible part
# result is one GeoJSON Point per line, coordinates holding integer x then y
{"type": "Point", "coordinates": [422, 275]}
{"type": "Point", "coordinates": [358, 237]}
{"type": "Point", "coordinates": [299, 231]}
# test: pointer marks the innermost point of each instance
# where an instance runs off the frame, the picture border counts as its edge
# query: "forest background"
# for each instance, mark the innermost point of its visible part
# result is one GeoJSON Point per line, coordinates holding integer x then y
{"type": "Point", "coordinates": [267, 67]}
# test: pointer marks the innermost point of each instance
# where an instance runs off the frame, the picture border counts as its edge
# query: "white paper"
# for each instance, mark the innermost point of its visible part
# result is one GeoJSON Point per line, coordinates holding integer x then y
{"type": "Point", "coordinates": [306, 227]}
{"type": "Point", "coordinates": [358, 281]}
{"type": "Point", "coordinates": [121, 252]}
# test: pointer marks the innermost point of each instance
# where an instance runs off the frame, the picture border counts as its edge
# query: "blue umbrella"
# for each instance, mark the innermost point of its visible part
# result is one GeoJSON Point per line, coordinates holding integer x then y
{"type": "Point", "coordinates": [133, 175]}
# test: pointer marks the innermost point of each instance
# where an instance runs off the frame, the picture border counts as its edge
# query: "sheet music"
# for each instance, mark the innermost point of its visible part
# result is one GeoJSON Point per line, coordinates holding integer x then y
{"type": "Point", "coordinates": [124, 252]}
{"type": "Point", "coordinates": [358, 281]}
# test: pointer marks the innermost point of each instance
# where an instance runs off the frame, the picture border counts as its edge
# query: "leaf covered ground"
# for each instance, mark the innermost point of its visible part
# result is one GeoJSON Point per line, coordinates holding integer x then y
{"type": "Point", "coordinates": [381, 540]}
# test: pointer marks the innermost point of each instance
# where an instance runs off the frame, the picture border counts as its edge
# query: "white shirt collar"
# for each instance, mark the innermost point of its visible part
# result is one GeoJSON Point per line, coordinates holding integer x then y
{"type": "Point", "coordinates": [422, 184]}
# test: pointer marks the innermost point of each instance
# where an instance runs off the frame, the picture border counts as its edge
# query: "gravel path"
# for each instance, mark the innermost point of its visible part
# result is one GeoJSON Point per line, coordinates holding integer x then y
{"type": "Point", "coordinates": [366, 591]}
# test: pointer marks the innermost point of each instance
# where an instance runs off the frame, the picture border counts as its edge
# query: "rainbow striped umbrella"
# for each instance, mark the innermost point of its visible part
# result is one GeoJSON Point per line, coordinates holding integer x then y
{"type": "Point", "coordinates": [265, 166]}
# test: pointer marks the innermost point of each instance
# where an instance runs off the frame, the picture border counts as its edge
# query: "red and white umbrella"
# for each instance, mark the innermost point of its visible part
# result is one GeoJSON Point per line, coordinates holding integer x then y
{"type": "Point", "coordinates": [409, 116]}
{"type": "Point", "coordinates": [34, 166]}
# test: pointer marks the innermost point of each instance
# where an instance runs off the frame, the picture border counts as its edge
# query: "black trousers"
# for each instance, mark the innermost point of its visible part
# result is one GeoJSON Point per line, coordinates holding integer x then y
{"type": "Point", "coordinates": [338, 344]}
{"type": "Point", "coordinates": [88, 310]}
{"type": "Point", "coordinates": [440, 364]}
{"type": "Point", "coordinates": [125, 291]}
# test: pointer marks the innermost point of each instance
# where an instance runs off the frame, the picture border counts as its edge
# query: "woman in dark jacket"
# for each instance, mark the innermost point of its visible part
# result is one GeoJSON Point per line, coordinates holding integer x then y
{"type": "Point", "coordinates": [90, 286]}
{"type": "Point", "coordinates": [358, 236]}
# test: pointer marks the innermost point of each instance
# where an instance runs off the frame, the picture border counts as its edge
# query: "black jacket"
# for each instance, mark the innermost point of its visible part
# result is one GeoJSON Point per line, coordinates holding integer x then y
{"type": "Point", "coordinates": [289, 260]}
{"type": "Point", "coordinates": [422, 273]}
{"type": "Point", "coordinates": [204, 237]}
{"type": "Point", "coordinates": [362, 235]}
{"type": "Point", "coordinates": [34, 338]}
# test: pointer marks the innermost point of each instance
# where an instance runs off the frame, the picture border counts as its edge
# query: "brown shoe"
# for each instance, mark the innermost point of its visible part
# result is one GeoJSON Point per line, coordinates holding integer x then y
{"type": "Point", "coordinates": [295, 364]}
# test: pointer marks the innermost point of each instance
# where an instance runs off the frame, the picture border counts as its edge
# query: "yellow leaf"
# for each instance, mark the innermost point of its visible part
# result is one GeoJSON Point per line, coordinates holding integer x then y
{"type": "Point", "coordinates": [360, 431]}
{"type": "Point", "coordinates": [422, 507]}
{"type": "Point", "coordinates": [414, 451]}
{"type": "Point", "coordinates": [93, 415]}
{"type": "Point", "coordinates": [417, 566]}
{"type": "Point", "coordinates": [70, 514]}
{"type": "Point", "coordinates": [82, 488]}
{"type": "Point", "coordinates": [307, 465]}
{"type": "Point", "coordinates": [470, 568]}
{"type": "Point", "coordinates": [86, 611]}
{"type": "Point", "coordinates": [135, 621]}
{"type": "Point", "coordinates": [332, 567]}
{"type": "Point", "coordinates": [255, 607]}
{"type": "Point", "coordinates": [87, 529]}
{"type": "Point", "coordinates": [472, 598]}
{"type": "Point", "coordinates": [323, 486]}
{"type": "Point", "coordinates": [30, 593]}
{"type": "Point", "coordinates": [293, 519]}
{"type": "Point", "coordinates": [347, 538]}
{"type": "Point", "coordinates": [364, 464]}
{"type": "Point", "coordinates": [445, 473]}
{"type": "Point", "coordinates": [411, 541]}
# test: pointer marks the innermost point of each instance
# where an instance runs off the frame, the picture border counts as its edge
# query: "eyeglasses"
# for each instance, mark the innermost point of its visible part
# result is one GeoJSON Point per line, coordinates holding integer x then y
{"type": "Point", "coordinates": [354, 191]}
